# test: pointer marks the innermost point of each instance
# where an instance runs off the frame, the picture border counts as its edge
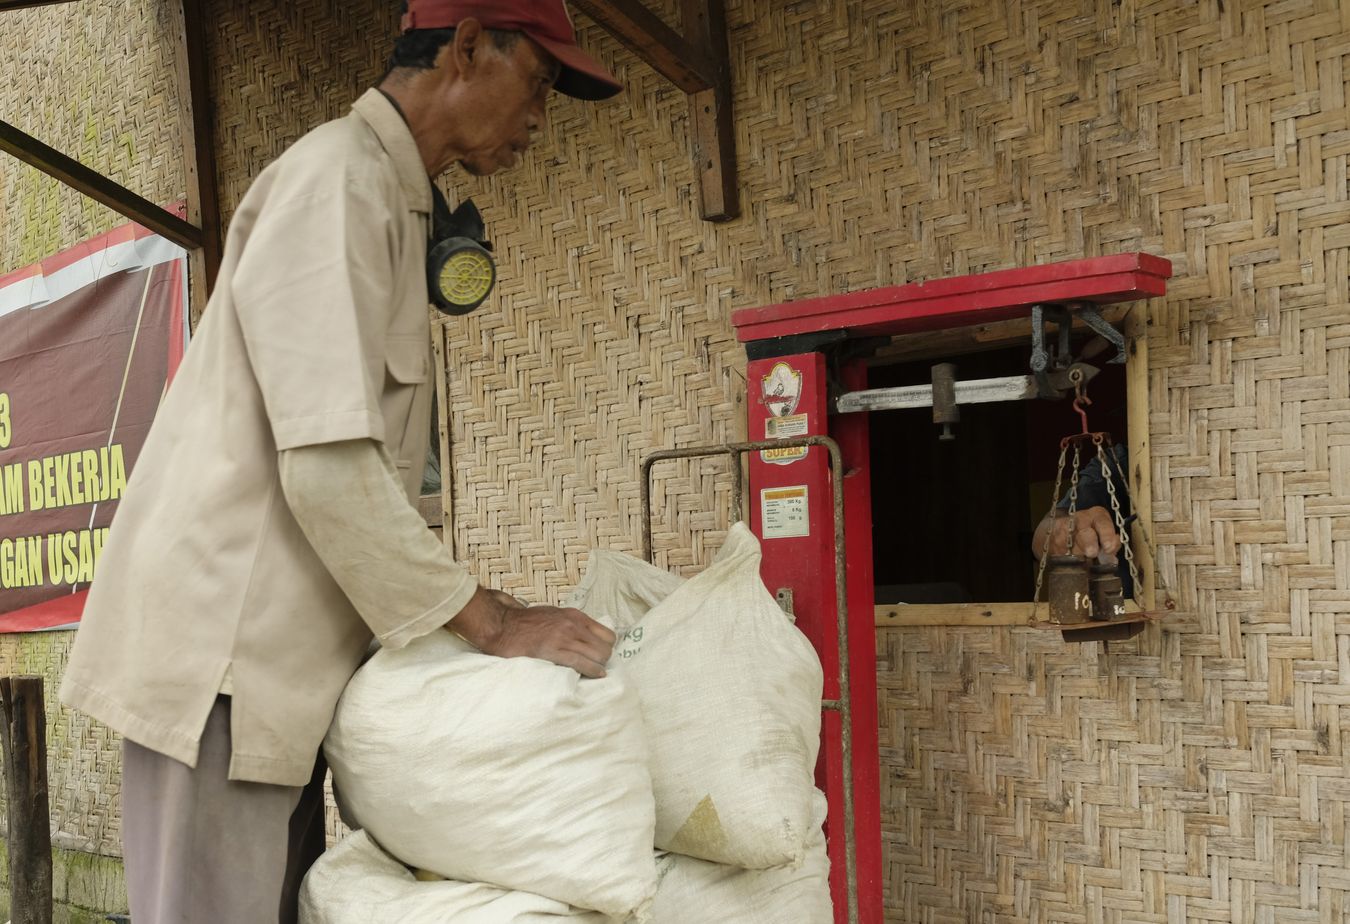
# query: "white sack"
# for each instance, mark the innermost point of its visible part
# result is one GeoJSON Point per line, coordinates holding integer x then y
{"type": "Point", "coordinates": [697, 892]}
{"type": "Point", "coordinates": [619, 589]}
{"type": "Point", "coordinates": [508, 771]}
{"type": "Point", "coordinates": [730, 693]}
{"type": "Point", "coordinates": [358, 883]}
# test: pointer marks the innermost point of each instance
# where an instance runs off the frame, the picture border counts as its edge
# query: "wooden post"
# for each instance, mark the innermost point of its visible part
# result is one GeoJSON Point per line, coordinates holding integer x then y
{"type": "Point", "coordinates": [710, 116]}
{"type": "Point", "coordinates": [199, 163]}
{"type": "Point", "coordinates": [24, 734]}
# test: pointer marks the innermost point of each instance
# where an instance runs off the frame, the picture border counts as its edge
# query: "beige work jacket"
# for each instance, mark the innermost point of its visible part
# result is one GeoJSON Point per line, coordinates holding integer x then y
{"type": "Point", "coordinates": [316, 333]}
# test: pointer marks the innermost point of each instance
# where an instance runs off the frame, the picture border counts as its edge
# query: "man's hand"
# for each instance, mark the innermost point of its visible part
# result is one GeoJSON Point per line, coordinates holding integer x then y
{"type": "Point", "coordinates": [1095, 534]}
{"type": "Point", "coordinates": [497, 624]}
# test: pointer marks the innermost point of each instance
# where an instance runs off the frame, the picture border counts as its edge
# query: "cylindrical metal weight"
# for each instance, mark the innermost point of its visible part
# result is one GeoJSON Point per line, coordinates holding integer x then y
{"type": "Point", "coordinates": [1108, 594]}
{"type": "Point", "coordinates": [1066, 589]}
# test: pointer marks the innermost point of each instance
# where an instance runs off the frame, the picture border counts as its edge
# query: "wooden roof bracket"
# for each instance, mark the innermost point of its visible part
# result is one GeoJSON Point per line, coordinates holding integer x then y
{"type": "Point", "coordinates": [199, 234]}
{"type": "Point", "coordinates": [699, 64]}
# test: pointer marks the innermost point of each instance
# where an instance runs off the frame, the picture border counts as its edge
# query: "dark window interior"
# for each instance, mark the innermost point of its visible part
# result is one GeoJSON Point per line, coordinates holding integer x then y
{"type": "Point", "coordinates": [953, 520]}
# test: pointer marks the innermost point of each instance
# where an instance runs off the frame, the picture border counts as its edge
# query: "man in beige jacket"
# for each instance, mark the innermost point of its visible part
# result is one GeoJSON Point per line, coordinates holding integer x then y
{"type": "Point", "coordinates": [268, 530]}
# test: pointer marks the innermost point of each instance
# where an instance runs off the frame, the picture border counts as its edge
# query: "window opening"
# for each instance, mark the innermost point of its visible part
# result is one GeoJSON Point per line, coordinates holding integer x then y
{"type": "Point", "coordinates": [954, 518]}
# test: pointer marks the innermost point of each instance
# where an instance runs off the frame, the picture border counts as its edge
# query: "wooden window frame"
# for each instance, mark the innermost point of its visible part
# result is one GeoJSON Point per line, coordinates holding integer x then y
{"type": "Point", "coordinates": [1133, 321]}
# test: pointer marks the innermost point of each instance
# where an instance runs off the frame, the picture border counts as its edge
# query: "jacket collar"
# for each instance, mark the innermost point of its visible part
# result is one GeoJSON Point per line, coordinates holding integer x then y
{"type": "Point", "coordinates": [397, 140]}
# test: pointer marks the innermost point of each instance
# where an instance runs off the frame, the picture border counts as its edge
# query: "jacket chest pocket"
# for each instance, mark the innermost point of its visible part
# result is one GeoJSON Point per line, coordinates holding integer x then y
{"type": "Point", "coordinates": [406, 401]}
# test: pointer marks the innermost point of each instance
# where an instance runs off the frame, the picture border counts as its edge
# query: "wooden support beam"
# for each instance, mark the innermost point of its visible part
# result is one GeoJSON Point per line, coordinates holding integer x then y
{"type": "Point", "coordinates": [1140, 475]}
{"type": "Point", "coordinates": [963, 615]}
{"type": "Point", "coordinates": [98, 187]}
{"type": "Point", "coordinates": [977, 338]}
{"type": "Point", "coordinates": [199, 161]}
{"type": "Point", "coordinates": [644, 33]}
{"type": "Point", "coordinates": [698, 63]}
{"type": "Point", "coordinates": [710, 117]}
{"type": "Point", "coordinates": [953, 614]}
{"type": "Point", "coordinates": [24, 733]}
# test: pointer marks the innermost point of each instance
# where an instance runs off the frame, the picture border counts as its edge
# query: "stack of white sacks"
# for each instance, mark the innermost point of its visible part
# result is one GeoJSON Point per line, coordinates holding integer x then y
{"type": "Point", "coordinates": [513, 791]}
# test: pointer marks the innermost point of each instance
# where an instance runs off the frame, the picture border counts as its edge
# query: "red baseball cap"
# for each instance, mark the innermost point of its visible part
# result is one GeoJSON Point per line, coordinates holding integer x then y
{"type": "Point", "coordinates": [547, 22]}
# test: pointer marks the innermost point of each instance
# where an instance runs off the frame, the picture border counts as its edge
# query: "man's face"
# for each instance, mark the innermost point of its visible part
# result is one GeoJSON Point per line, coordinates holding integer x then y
{"type": "Point", "coordinates": [504, 94]}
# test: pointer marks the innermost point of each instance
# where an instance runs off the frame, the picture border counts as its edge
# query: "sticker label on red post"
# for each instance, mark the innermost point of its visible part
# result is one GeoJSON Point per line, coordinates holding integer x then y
{"type": "Point", "coordinates": [785, 512]}
{"type": "Point", "coordinates": [782, 428]}
{"type": "Point", "coordinates": [781, 393]}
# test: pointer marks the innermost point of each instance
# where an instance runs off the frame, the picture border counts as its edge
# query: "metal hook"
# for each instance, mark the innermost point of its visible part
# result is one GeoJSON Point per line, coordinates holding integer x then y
{"type": "Point", "coordinates": [1078, 405]}
{"type": "Point", "coordinates": [1081, 400]}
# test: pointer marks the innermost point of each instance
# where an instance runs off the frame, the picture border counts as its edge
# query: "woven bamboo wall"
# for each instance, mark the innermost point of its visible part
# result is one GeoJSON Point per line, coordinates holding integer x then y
{"type": "Point", "coordinates": [279, 68]}
{"type": "Point", "coordinates": [95, 80]}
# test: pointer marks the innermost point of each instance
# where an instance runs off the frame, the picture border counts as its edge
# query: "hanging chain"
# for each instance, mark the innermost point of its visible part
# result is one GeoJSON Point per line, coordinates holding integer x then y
{"type": "Point", "coordinates": [1168, 602]}
{"type": "Point", "coordinates": [1110, 465]}
{"type": "Point", "coordinates": [1079, 404]}
{"type": "Point", "coordinates": [1121, 528]}
{"type": "Point", "coordinates": [1080, 399]}
{"type": "Point", "coordinates": [1073, 497]}
{"type": "Point", "coordinates": [1045, 552]}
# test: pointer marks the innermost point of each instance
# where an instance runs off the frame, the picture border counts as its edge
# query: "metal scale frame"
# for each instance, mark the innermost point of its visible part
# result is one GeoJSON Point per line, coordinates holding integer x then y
{"type": "Point", "coordinates": [809, 472]}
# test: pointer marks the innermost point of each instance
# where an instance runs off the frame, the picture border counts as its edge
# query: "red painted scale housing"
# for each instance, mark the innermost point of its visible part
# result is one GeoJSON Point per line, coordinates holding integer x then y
{"type": "Point", "coordinates": [790, 494]}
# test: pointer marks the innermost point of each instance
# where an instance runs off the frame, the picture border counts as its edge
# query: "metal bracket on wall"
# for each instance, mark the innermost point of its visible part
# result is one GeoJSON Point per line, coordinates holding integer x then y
{"type": "Point", "coordinates": [1055, 355]}
{"type": "Point", "coordinates": [698, 63]}
{"type": "Point", "coordinates": [1048, 356]}
{"type": "Point", "coordinates": [1092, 317]}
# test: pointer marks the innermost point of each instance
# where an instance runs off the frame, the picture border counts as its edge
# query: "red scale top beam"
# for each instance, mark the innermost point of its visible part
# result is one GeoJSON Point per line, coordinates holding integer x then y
{"type": "Point", "coordinates": [961, 300]}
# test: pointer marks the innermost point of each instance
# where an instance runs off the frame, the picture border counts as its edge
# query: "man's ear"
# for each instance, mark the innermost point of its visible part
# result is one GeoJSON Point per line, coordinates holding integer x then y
{"type": "Point", "coordinates": [468, 40]}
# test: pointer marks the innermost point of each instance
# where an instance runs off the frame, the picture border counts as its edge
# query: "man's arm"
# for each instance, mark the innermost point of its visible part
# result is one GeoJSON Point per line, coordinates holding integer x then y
{"type": "Point", "coordinates": [349, 503]}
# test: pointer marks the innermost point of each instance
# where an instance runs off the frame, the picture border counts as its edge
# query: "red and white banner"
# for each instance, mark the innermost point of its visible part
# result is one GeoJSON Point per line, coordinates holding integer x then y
{"type": "Point", "coordinates": [89, 340]}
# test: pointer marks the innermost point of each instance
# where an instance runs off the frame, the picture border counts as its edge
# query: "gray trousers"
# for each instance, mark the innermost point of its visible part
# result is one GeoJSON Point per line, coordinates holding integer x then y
{"type": "Point", "coordinates": [201, 849]}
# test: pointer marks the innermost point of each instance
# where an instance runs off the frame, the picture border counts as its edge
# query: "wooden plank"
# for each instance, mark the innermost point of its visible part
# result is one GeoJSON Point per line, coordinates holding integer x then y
{"type": "Point", "coordinates": [646, 35]}
{"type": "Point", "coordinates": [199, 164]}
{"type": "Point", "coordinates": [954, 614]}
{"type": "Point", "coordinates": [24, 734]}
{"type": "Point", "coordinates": [98, 187]}
{"type": "Point", "coordinates": [1140, 474]}
{"type": "Point", "coordinates": [963, 615]}
{"type": "Point", "coordinates": [710, 115]}
{"type": "Point", "coordinates": [974, 338]}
